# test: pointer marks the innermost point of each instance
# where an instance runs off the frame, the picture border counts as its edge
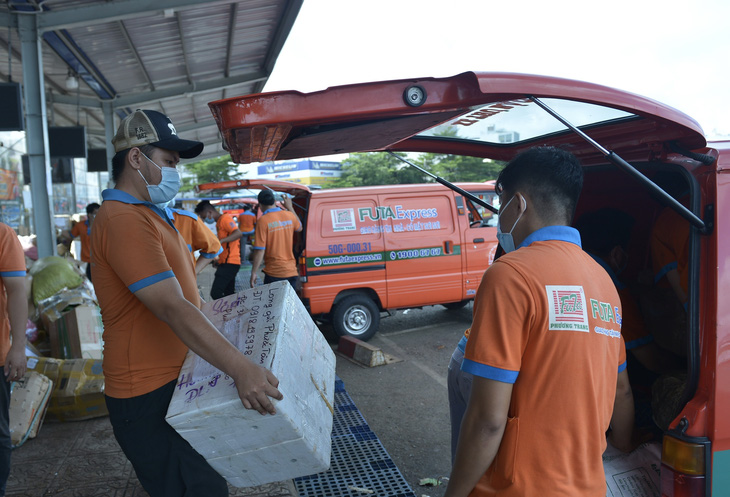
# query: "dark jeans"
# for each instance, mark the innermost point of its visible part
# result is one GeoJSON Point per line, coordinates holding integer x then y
{"type": "Point", "coordinates": [165, 463]}
{"type": "Point", "coordinates": [5, 443]}
{"type": "Point", "coordinates": [293, 281]}
{"type": "Point", "coordinates": [225, 281]}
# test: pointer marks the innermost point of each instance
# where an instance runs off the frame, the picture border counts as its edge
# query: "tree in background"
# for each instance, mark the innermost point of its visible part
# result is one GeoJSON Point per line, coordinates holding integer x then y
{"type": "Point", "coordinates": [208, 171]}
{"type": "Point", "coordinates": [461, 168]}
{"type": "Point", "coordinates": [375, 168]}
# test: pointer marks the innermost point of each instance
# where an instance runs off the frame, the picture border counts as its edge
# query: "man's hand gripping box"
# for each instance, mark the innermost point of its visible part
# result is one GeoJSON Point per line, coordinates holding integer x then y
{"type": "Point", "coordinates": [271, 327]}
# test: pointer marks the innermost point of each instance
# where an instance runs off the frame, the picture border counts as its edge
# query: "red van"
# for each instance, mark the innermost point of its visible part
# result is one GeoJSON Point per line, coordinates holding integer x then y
{"type": "Point", "coordinates": [622, 140]}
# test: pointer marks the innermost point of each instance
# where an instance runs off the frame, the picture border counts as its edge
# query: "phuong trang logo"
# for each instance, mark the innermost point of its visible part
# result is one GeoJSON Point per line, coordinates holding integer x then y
{"type": "Point", "coordinates": [567, 308]}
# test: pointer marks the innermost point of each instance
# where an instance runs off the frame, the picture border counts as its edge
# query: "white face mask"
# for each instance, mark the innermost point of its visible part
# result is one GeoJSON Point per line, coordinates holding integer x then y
{"type": "Point", "coordinates": [505, 239]}
{"type": "Point", "coordinates": [168, 187]}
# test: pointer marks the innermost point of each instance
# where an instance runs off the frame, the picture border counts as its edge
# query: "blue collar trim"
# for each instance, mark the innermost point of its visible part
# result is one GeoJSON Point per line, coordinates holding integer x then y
{"type": "Point", "coordinates": [181, 212]}
{"type": "Point", "coordinates": [124, 197]}
{"type": "Point", "coordinates": [273, 209]}
{"type": "Point", "coordinates": [553, 233]}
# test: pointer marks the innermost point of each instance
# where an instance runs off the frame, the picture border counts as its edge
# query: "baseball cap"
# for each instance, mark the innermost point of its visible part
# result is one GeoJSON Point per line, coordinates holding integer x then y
{"type": "Point", "coordinates": [149, 127]}
{"type": "Point", "coordinates": [266, 197]}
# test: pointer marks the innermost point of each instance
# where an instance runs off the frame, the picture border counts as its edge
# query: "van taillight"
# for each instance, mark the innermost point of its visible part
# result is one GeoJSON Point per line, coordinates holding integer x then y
{"type": "Point", "coordinates": [303, 266]}
{"type": "Point", "coordinates": [683, 468]}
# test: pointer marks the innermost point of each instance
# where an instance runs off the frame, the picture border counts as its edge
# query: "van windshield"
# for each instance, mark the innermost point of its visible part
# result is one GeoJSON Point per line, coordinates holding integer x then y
{"type": "Point", "coordinates": [514, 121]}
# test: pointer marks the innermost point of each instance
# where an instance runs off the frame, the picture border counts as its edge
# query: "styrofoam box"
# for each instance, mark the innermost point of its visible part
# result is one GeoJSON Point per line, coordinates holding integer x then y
{"type": "Point", "coordinates": [269, 325]}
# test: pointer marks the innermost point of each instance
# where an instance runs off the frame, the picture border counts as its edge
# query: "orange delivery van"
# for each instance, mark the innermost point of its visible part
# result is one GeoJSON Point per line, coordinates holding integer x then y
{"type": "Point", "coordinates": [366, 250]}
{"type": "Point", "coordinates": [624, 141]}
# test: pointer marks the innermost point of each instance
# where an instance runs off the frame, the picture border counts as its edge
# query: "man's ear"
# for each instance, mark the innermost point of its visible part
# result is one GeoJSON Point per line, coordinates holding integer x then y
{"type": "Point", "coordinates": [134, 156]}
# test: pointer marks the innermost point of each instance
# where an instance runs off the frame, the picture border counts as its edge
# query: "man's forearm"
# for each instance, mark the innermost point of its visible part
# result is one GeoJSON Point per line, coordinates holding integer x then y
{"type": "Point", "coordinates": [478, 446]}
{"type": "Point", "coordinates": [201, 263]}
{"type": "Point", "coordinates": [18, 314]}
{"type": "Point", "coordinates": [622, 419]}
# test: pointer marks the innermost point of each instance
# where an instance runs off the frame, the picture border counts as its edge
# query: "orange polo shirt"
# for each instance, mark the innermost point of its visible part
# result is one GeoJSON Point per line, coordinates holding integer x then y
{"type": "Point", "coordinates": [82, 230]}
{"type": "Point", "coordinates": [12, 265]}
{"type": "Point", "coordinates": [231, 254]}
{"type": "Point", "coordinates": [275, 233]}
{"type": "Point", "coordinates": [196, 234]}
{"type": "Point", "coordinates": [247, 222]}
{"type": "Point", "coordinates": [133, 245]}
{"type": "Point", "coordinates": [546, 319]}
{"type": "Point", "coordinates": [670, 247]}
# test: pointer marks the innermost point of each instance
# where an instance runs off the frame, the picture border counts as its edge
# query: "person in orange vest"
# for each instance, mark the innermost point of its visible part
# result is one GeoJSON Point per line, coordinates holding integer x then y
{"type": "Point", "coordinates": [13, 318]}
{"type": "Point", "coordinates": [82, 231]}
{"type": "Point", "coordinates": [197, 237]}
{"type": "Point", "coordinates": [150, 306]}
{"type": "Point", "coordinates": [229, 261]}
{"type": "Point", "coordinates": [247, 225]}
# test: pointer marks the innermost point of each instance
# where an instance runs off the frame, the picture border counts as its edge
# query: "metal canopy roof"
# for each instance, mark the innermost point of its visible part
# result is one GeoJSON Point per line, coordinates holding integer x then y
{"type": "Point", "coordinates": [173, 56]}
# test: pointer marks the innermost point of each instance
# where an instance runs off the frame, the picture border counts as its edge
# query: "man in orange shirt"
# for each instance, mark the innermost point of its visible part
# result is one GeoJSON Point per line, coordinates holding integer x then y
{"type": "Point", "coordinates": [150, 306]}
{"type": "Point", "coordinates": [274, 241]}
{"type": "Point", "coordinates": [13, 318]}
{"type": "Point", "coordinates": [197, 236]}
{"type": "Point", "coordinates": [229, 261]}
{"type": "Point", "coordinates": [247, 225]}
{"type": "Point", "coordinates": [82, 230]}
{"type": "Point", "coordinates": [545, 348]}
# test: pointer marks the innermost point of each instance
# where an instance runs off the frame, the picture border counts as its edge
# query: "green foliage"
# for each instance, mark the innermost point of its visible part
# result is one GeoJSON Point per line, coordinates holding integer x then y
{"type": "Point", "coordinates": [376, 168]}
{"type": "Point", "coordinates": [461, 168]}
{"type": "Point", "coordinates": [208, 171]}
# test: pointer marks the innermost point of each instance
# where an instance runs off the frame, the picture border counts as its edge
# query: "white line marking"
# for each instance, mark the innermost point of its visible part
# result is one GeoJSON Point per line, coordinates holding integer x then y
{"type": "Point", "coordinates": [440, 379]}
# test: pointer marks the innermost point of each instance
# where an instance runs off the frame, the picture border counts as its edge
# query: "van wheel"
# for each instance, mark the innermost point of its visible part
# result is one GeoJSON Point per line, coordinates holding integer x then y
{"type": "Point", "coordinates": [455, 306]}
{"type": "Point", "coordinates": [356, 316]}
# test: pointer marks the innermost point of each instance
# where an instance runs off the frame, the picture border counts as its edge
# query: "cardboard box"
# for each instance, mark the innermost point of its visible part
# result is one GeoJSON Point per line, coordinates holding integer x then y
{"type": "Point", "coordinates": [28, 403]}
{"type": "Point", "coordinates": [272, 327]}
{"type": "Point", "coordinates": [79, 387]}
{"type": "Point", "coordinates": [77, 333]}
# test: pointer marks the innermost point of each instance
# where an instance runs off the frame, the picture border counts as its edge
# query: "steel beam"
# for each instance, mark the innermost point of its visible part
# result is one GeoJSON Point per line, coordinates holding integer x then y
{"type": "Point", "coordinates": [117, 10]}
{"type": "Point", "coordinates": [123, 28]}
{"type": "Point", "coordinates": [182, 45]}
{"type": "Point", "coordinates": [37, 135]}
{"type": "Point", "coordinates": [176, 91]}
{"type": "Point", "coordinates": [231, 33]}
{"type": "Point", "coordinates": [109, 129]}
{"type": "Point", "coordinates": [74, 100]}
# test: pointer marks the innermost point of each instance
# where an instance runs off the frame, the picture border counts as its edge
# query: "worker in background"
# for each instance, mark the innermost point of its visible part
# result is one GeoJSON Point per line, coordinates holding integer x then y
{"type": "Point", "coordinates": [229, 261]}
{"type": "Point", "coordinates": [197, 236]}
{"type": "Point", "coordinates": [13, 319]}
{"type": "Point", "coordinates": [150, 307]}
{"type": "Point", "coordinates": [247, 225]}
{"type": "Point", "coordinates": [274, 241]}
{"type": "Point", "coordinates": [82, 231]}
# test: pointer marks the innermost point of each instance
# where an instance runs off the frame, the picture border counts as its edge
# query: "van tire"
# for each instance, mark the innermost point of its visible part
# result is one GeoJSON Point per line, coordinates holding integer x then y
{"type": "Point", "coordinates": [356, 316]}
{"type": "Point", "coordinates": [455, 306]}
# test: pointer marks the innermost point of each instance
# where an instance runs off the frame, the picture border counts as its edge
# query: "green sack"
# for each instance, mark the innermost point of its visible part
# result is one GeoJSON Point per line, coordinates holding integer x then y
{"type": "Point", "coordinates": [54, 277]}
{"type": "Point", "coordinates": [41, 264]}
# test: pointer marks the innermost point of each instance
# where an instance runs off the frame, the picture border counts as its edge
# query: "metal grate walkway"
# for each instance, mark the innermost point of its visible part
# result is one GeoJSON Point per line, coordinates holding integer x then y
{"type": "Point", "coordinates": [359, 465]}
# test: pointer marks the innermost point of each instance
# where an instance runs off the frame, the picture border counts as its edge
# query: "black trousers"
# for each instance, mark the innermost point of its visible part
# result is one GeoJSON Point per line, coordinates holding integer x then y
{"type": "Point", "coordinates": [224, 282]}
{"type": "Point", "coordinates": [293, 280]}
{"type": "Point", "coordinates": [5, 443]}
{"type": "Point", "coordinates": [165, 463]}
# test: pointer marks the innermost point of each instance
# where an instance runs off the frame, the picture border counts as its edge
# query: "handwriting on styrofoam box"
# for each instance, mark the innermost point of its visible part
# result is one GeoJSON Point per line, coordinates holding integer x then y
{"type": "Point", "coordinates": [249, 321]}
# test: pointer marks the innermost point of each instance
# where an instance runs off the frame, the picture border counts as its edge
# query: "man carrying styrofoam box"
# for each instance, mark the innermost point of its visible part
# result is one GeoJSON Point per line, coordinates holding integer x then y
{"type": "Point", "coordinates": [270, 325]}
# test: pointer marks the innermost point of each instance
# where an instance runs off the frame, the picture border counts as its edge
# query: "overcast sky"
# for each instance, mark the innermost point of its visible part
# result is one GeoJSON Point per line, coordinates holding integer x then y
{"type": "Point", "coordinates": [676, 52]}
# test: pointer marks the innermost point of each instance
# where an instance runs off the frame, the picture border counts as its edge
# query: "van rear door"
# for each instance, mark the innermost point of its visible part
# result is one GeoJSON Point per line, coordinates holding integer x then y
{"type": "Point", "coordinates": [422, 247]}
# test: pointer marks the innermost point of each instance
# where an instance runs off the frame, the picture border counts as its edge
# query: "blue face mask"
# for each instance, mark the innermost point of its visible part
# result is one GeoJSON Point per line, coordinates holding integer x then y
{"type": "Point", "coordinates": [164, 205]}
{"type": "Point", "coordinates": [505, 239]}
{"type": "Point", "coordinates": [209, 220]}
{"type": "Point", "coordinates": [168, 187]}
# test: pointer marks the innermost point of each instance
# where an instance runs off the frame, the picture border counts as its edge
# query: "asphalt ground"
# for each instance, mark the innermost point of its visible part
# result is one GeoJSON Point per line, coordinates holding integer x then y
{"type": "Point", "coordinates": [405, 403]}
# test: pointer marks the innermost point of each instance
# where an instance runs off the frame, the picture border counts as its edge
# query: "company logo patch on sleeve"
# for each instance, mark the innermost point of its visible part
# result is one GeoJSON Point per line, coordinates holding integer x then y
{"type": "Point", "coordinates": [567, 308]}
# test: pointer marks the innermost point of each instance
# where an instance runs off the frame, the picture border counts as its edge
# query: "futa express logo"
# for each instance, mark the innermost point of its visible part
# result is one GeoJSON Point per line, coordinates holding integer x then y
{"type": "Point", "coordinates": [396, 212]}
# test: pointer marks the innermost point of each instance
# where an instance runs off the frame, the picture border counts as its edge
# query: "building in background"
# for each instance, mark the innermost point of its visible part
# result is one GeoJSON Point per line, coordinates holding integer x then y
{"type": "Point", "coordinates": [306, 171]}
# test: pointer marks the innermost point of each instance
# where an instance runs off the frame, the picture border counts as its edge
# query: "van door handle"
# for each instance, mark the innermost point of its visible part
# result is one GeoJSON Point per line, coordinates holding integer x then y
{"type": "Point", "coordinates": [447, 247]}
{"type": "Point", "coordinates": [479, 240]}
